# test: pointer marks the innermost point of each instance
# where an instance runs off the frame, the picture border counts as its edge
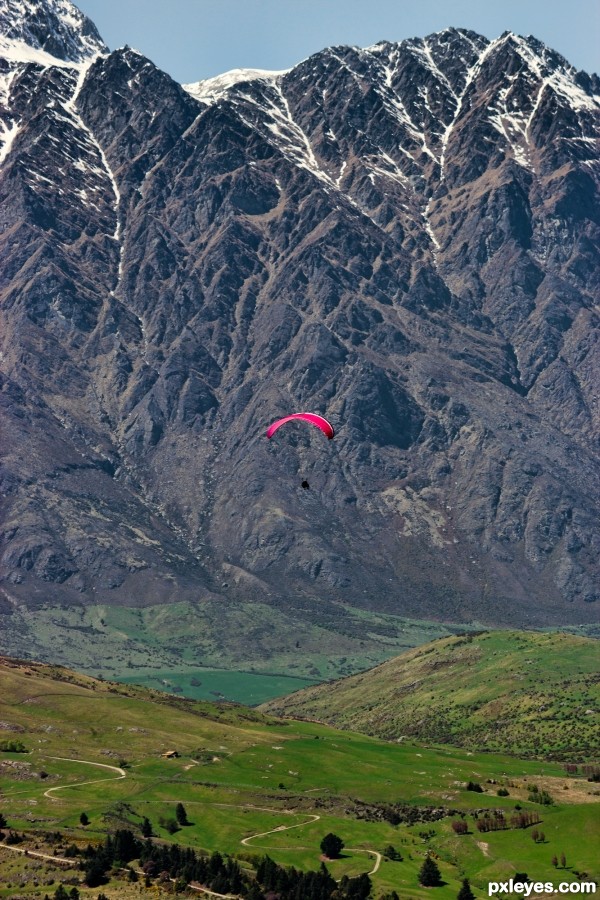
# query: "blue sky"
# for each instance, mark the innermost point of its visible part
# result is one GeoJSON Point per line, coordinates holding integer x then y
{"type": "Point", "coordinates": [196, 39]}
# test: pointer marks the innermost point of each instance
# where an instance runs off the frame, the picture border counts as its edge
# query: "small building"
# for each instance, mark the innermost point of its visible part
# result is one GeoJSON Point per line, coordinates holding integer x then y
{"type": "Point", "coordinates": [170, 754]}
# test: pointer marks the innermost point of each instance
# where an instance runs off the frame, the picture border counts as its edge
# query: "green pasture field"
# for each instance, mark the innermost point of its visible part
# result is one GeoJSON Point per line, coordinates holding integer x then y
{"type": "Point", "coordinates": [249, 688]}
{"type": "Point", "coordinates": [240, 774]}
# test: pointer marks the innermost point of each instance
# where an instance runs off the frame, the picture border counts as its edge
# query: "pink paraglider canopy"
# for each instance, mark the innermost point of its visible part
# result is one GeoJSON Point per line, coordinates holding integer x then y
{"type": "Point", "coordinates": [313, 418]}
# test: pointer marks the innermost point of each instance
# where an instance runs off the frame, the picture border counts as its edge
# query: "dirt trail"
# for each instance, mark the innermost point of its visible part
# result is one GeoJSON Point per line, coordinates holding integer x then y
{"type": "Point", "coordinates": [85, 762]}
{"type": "Point", "coordinates": [61, 860]}
{"type": "Point", "coordinates": [313, 818]}
{"type": "Point", "coordinates": [375, 853]}
{"type": "Point", "coordinates": [245, 841]}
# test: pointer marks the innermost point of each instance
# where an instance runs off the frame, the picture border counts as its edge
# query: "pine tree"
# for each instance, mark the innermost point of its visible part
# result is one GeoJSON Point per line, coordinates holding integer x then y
{"type": "Point", "coordinates": [465, 892]}
{"type": "Point", "coordinates": [181, 815]}
{"type": "Point", "coordinates": [430, 876]}
{"type": "Point", "coordinates": [254, 892]}
{"type": "Point", "coordinates": [94, 873]}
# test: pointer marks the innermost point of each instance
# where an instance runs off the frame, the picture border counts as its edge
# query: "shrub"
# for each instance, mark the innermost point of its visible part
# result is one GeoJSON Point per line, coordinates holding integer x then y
{"type": "Point", "coordinates": [171, 825]}
{"type": "Point", "coordinates": [543, 797]}
{"type": "Point", "coordinates": [12, 747]}
{"type": "Point", "coordinates": [474, 786]}
{"type": "Point", "coordinates": [13, 838]}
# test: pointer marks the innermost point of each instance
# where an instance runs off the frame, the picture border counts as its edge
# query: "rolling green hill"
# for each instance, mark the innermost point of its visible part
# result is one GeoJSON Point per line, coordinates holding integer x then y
{"type": "Point", "coordinates": [252, 785]}
{"type": "Point", "coordinates": [519, 692]}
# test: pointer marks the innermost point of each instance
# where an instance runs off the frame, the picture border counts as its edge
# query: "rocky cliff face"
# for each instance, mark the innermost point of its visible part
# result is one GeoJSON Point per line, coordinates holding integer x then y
{"type": "Point", "coordinates": [403, 238]}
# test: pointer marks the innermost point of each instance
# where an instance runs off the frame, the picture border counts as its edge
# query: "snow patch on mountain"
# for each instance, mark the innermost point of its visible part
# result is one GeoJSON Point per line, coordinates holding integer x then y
{"type": "Point", "coordinates": [17, 51]}
{"type": "Point", "coordinates": [9, 133]}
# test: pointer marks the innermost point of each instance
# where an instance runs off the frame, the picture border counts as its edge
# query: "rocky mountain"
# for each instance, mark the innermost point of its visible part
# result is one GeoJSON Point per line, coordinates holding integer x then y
{"type": "Point", "coordinates": [403, 238]}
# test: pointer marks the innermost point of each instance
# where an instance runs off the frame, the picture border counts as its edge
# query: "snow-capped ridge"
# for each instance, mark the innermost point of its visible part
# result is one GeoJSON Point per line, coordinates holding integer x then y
{"type": "Point", "coordinates": [212, 89]}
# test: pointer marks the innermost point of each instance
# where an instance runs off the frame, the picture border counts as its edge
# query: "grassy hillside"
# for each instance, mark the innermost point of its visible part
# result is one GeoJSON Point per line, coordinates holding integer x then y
{"type": "Point", "coordinates": [277, 786]}
{"type": "Point", "coordinates": [525, 693]}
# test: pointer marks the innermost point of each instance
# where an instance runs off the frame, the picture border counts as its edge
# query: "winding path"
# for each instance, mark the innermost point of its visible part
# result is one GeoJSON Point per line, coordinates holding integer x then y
{"type": "Point", "coordinates": [85, 762]}
{"type": "Point", "coordinates": [313, 818]}
{"type": "Point", "coordinates": [375, 853]}
{"type": "Point", "coordinates": [121, 773]}
{"type": "Point", "coordinates": [62, 860]}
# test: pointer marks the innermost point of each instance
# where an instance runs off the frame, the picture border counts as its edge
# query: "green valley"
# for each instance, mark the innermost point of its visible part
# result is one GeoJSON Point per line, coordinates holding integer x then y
{"type": "Point", "coordinates": [254, 785]}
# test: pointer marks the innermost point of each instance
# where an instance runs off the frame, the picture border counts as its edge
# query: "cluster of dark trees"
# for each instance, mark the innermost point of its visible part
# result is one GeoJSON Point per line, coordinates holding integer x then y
{"type": "Point", "coordinates": [216, 872]}
{"type": "Point", "coordinates": [524, 819]}
{"type": "Point", "coordinates": [497, 822]}
{"type": "Point", "coordinates": [291, 884]}
{"type": "Point", "coordinates": [221, 874]}
{"type": "Point", "coordinates": [62, 893]}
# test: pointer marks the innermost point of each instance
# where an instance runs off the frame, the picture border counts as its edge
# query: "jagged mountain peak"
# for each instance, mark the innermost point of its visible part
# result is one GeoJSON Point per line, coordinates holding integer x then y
{"type": "Point", "coordinates": [403, 237]}
{"type": "Point", "coordinates": [55, 27]}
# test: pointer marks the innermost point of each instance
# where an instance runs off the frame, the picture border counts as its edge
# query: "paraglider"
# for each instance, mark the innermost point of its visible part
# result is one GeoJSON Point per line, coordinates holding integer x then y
{"type": "Point", "coordinates": [313, 418]}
